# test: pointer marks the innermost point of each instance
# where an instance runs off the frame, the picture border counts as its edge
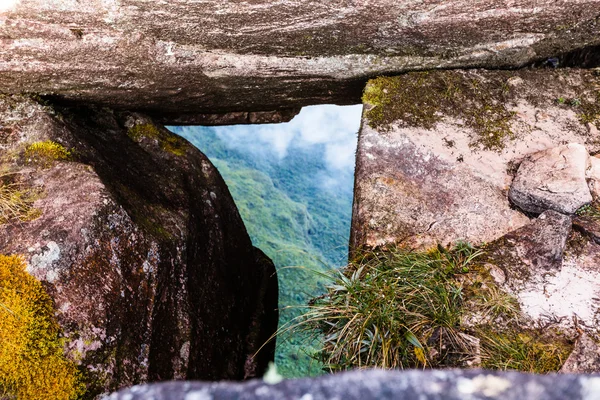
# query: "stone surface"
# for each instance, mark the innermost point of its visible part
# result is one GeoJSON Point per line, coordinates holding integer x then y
{"type": "Point", "coordinates": [585, 357]}
{"type": "Point", "coordinates": [589, 226]}
{"type": "Point", "coordinates": [554, 274]}
{"type": "Point", "coordinates": [552, 179]}
{"type": "Point", "coordinates": [439, 176]}
{"type": "Point", "coordinates": [188, 57]}
{"type": "Point", "coordinates": [140, 246]}
{"type": "Point", "coordinates": [593, 176]}
{"type": "Point", "coordinates": [530, 252]}
{"type": "Point", "coordinates": [384, 385]}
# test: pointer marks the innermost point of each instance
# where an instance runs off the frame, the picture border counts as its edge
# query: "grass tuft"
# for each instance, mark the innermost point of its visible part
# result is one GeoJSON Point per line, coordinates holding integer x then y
{"type": "Point", "coordinates": [440, 308]}
{"type": "Point", "coordinates": [16, 201]}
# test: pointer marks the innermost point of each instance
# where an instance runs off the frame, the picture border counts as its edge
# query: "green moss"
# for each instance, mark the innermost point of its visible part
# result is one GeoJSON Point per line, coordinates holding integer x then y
{"type": "Point", "coordinates": [32, 363]}
{"type": "Point", "coordinates": [167, 141]}
{"type": "Point", "coordinates": [422, 99]}
{"type": "Point", "coordinates": [46, 153]}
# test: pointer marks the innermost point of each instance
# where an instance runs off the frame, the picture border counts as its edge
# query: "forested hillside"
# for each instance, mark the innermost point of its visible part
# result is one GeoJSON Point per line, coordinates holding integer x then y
{"type": "Point", "coordinates": [294, 192]}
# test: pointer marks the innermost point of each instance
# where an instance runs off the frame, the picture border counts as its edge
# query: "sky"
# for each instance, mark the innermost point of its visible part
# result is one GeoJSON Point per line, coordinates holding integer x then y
{"type": "Point", "coordinates": [335, 127]}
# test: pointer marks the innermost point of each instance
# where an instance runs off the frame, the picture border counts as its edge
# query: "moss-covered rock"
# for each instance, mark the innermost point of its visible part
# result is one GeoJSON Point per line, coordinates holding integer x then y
{"type": "Point", "coordinates": [140, 247]}
{"type": "Point", "coordinates": [32, 363]}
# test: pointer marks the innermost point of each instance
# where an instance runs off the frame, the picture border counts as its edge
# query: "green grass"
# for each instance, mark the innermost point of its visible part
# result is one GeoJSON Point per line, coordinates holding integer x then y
{"type": "Point", "coordinates": [440, 308]}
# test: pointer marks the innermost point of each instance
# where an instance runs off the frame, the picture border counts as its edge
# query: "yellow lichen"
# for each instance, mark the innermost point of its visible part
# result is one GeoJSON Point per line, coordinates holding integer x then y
{"type": "Point", "coordinates": [45, 153]}
{"type": "Point", "coordinates": [168, 142]}
{"type": "Point", "coordinates": [32, 363]}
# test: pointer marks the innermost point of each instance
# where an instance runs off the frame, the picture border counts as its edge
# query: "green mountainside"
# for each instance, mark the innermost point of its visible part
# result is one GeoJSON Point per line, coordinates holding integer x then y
{"type": "Point", "coordinates": [297, 212]}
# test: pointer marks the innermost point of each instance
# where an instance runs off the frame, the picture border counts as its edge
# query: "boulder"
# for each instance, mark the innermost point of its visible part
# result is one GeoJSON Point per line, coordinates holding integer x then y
{"type": "Point", "coordinates": [177, 60]}
{"type": "Point", "coordinates": [136, 238]}
{"type": "Point", "coordinates": [533, 250]}
{"type": "Point", "coordinates": [553, 179]}
{"type": "Point", "coordinates": [384, 385]}
{"type": "Point", "coordinates": [438, 151]}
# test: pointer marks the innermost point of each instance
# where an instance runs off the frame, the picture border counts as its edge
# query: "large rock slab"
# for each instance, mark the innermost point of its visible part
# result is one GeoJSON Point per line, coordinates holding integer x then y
{"type": "Point", "coordinates": [203, 57]}
{"type": "Point", "coordinates": [384, 385]}
{"type": "Point", "coordinates": [438, 151]}
{"type": "Point", "coordinates": [137, 240]}
{"type": "Point", "coordinates": [553, 179]}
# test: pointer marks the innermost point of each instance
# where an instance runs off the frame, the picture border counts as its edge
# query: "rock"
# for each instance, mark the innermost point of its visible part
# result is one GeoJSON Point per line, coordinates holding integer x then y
{"type": "Point", "coordinates": [162, 58]}
{"type": "Point", "coordinates": [593, 175]}
{"type": "Point", "coordinates": [533, 250]}
{"type": "Point", "coordinates": [137, 240]}
{"type": "Point", "coordinates": [554, 275]}
{"type": "Point", "coordinates": [585, 357]}
{"type": "Point", "coordinates": [384, 385]}
{"type": "Point", "coordinates": [432, 170]}
{"type": "Point", "coordinates": [552, 179]}
{"type": "Point", "coordinates": [589, 226]}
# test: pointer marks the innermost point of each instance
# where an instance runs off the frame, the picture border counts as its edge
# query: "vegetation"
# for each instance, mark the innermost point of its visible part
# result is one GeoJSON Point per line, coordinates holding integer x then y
{"type": "Point", "coordinates": [301, 225]}
{"type": "Point", "coordinates": [32, 364]}
{"type": "Point", "coordinates": [16, 201]}
{"type": "Point", "coordinates": [416, 99]}
{"type": "Point", "coordinates": [167, 141]}
{"type": "Point", "coordinates": [590, 210]}
{"type": "Point", "coordinates": [46, 152]}
{"type": "Point", "coordinates": [403, 309]}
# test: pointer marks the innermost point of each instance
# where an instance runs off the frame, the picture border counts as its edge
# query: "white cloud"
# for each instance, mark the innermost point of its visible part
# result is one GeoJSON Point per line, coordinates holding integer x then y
{"type": "Point", "coordinates": [335, 127]}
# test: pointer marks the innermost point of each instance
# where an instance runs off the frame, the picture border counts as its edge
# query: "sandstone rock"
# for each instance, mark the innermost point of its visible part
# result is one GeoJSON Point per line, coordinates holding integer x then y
{"type": "Point", "coordinates": [384, 385]}
{"type": "Point", "coordinates": [431, 169]}
{"type": "Point", "coordinates": [589, 226]}
{"type": "Point", "coordinates": [552, 179]}
{"type": "Point", "coordinates": [528, 253]}
{"type": "Point", "coordinates": [585, 357]}
{"type": "Point", "coordinates": [593, 175]}
{"type": "Point", "coordinates": [189, 57]}
{"type": "Point", "coordinates": [140, 245]}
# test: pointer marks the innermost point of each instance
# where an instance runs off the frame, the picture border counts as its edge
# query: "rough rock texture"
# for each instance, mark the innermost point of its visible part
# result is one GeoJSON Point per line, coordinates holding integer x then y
{"type": "Point", "coordinates": [190, 57]}
{"type": "Point", "coordinates": [437, 151]}
{"type": "Point", "coordinates": [554, 274]}
{"type": "Point", "coordinates": [140, 246]}
{"type": "Point", "coordinates": [384, 385]}
{"type": "Point", "coordinates": [585, 357]}
{"type": "Point", "coordinates": [552, 179]}
{"type": "Point", "coordinates": [589, 226]}
{"type": "Point", "coordinates": [528, 253]}
{"type": "Point", "coordinates": [593, 176]}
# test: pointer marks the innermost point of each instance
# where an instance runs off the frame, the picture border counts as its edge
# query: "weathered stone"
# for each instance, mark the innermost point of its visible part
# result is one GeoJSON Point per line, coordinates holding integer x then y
{"type": "Point", "coordinates": [189, 57]}
{"type": "Point", "coordinates": [585, 357]}
{"type": "Point", "coordinates": [589, 226]}
{"type": "Point", "coordinates": [533, 250]}
{"type": "Point", "coordinates": [141, 247]}
{"type": "Point", "coordinates": [557, 285]}
{"type": "Point", "coordinates": [384, 385]}
{"type": "Point", "coordinates": [430, 169]}
{"type": "Point", "coordinates": [593, 175]}
{"type": "Point", "coordinates": [553, 179]}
